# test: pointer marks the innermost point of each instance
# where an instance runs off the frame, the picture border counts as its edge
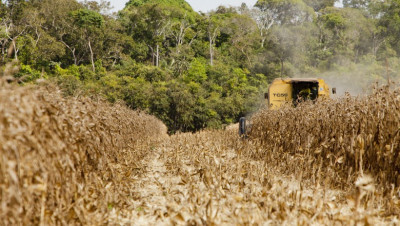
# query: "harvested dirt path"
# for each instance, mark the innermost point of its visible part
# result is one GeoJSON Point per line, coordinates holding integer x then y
{"type": "Point", "coordinates": [193, 179]}
{"type": "Point", "coordinates": [154, 202]}
{"type": "Point", "coordinates": [151, 190]}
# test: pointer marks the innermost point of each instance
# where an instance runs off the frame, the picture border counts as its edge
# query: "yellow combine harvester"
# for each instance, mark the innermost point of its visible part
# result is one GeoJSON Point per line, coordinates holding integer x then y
{"type": "Point", "coordinates": [294, 91]}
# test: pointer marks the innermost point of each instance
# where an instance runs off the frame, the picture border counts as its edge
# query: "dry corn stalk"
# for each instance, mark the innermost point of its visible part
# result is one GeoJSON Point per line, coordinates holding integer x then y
{"type": "Point", "coordinates": [67, 160]}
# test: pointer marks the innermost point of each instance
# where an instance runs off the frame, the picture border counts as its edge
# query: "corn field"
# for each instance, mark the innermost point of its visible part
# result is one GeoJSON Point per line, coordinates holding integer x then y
{"type": "Point", "coordinates": [67, 161]}
{"type": "Point", "coordinates": [75, 160]}
{"type": "Point", "coordinates": [347, 137]}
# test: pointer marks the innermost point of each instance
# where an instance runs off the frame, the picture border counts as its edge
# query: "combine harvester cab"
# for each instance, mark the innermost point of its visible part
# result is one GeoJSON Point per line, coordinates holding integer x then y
{"type": "Point", "coordinates": [291, 91]}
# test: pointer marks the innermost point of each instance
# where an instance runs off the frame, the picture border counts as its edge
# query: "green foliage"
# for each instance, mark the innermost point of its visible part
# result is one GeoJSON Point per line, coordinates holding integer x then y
{"type": "Point", "coordinates": [87, 18]}
{"type": "Point", "coordinates": [27, 74]}
{"type": "Point", "coordinates": [356, 3]}
{"type": "Point", "coordinates": [177, 3]}
{"type": "Point", "coordinates": [197, 71]}
{"type": "Point", "coordinates": [317, 5]}
{"type": "Point", "coordinates": [70, 84]}
{"type": "Point", "coordinates": [333, 21]}
{"type": "Point", "coordinates": [287, 11]}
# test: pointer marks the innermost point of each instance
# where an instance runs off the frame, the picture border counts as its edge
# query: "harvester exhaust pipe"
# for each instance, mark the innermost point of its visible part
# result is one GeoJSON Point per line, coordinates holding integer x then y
{"type": "Point", "coordinates": [242, 127]}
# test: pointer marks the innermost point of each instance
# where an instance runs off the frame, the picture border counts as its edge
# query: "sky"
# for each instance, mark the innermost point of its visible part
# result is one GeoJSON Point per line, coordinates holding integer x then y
{"type": "Point", "coordinates": [198, 5]}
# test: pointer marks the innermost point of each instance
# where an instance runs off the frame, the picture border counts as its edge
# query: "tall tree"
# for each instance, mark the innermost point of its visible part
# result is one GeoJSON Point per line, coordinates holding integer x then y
{"type": "Point", "coordinates": [268, 13]}
{"type": "Point", "coordinates": [317, 5]}
{"type": "Point", "coordinates": [360, 4]}
{"type": "Point", "coordinates": [176, 3]}
{"type": "Point", "coordinates": [286, 11]}
{"type": "Point", "coordinates": [389, 22]}
{"type": "Point", "coordinates": [265, 20]}
{"type": "Point", "coordinates": [345, 33]}
{"type": "Point", "coordinates": [149, 24]}
{"type": "Point", "coordinates": [90, 22]}
{"type": "Point", "coordinates": [213, 30]}
{"type": "Point", "coordinates": [59, 24]}
{"type": "Point", "coordinates": [243, 38]}
{"type": "Point", "coordinates": [14, 25]}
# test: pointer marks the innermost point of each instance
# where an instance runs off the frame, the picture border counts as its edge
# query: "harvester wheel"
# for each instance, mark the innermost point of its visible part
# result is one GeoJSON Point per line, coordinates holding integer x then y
{"type": "Point", "coordinates": [242, 127]}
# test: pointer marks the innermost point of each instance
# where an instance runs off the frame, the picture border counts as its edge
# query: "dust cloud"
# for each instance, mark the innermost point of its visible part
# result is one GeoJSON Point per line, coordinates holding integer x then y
{"type": "Point", "coordinates": [355, 84]}
{"type": "Point", "coordinates": [357, 79]}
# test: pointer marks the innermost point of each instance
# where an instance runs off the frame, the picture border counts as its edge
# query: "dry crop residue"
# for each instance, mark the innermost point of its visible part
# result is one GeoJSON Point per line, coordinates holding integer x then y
{"type": "Point", "coordinates": [212, 178]}
{"type": "Point", "coordinates": [80, 161]}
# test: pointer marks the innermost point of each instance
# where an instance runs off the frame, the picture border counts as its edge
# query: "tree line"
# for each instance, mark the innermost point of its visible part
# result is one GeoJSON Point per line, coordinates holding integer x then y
{"type": "Point", "coordinates": [195, 70]}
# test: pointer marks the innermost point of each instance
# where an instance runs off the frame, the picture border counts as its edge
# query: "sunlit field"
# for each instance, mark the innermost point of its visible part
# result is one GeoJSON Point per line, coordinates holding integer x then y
{"type": "Point", "coordinates": [77, 160]}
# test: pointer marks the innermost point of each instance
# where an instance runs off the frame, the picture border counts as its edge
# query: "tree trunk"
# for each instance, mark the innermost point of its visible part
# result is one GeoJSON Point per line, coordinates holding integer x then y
{"type": "Point", "coordinates": [158, 56]}
{"type": "Point", "coordinates": [92, 57]}
{"type": "Point", "coordinates": [262, 42]}
{"type": "Point", "coordinates": [72, 51]}
{"type": "Point", "coordinates": [211, 52]}
{"type": "Point", "coordinates": [15, 49]}
{"type": "Point", "coordinates": [2, 54]}
{"type": "Point", "coordinates": [73, 55]}
{"type": "Point", "coordinates": [153, 55]}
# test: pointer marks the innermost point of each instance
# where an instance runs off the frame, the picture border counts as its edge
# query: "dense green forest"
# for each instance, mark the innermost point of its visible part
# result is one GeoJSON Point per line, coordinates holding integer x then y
{"type": "Point", "coordinates": [195, 70]}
